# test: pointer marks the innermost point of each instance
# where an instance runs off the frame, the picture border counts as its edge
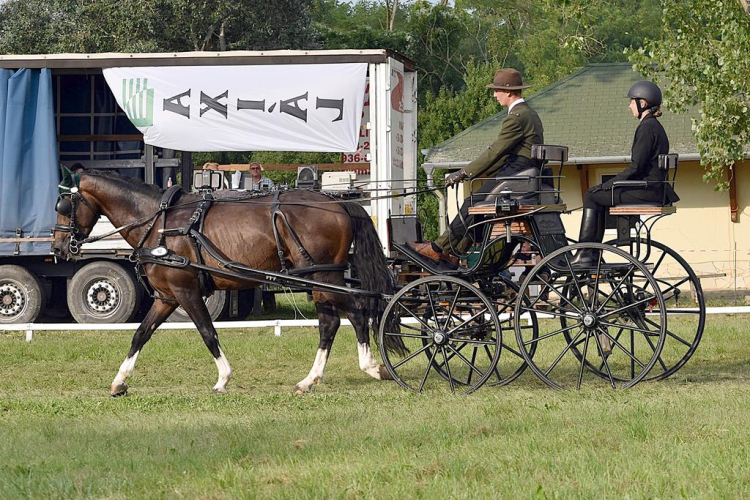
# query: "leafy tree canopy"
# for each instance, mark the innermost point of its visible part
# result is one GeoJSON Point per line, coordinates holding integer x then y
{"type": "Point", "coordinates": [702, 59]}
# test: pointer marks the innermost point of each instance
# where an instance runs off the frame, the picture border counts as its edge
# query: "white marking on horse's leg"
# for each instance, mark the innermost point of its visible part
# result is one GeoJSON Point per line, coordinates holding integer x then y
{"type": "Point", "coordinates": [225, 373]}
{"type": "Point", "coordinates": [119, 384]}
{"type": "Point", "coordinates": [367, 362]}
{"type": "Point", "coordinates": [316, 373]}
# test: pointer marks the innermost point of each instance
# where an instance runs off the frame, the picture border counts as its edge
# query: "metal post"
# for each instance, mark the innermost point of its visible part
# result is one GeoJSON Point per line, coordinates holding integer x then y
{"type": "Point", "coordinates": [186, 169]}
{"type": "Point", "coordinates": [148, 159]}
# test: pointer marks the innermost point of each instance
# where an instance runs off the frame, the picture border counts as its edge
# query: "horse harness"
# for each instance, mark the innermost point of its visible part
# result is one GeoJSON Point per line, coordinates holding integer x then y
{"type": "Point", "coordinates": [161, 255]}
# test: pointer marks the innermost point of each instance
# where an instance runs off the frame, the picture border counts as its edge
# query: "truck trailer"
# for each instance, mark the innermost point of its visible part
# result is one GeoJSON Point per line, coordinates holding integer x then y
{"type": "Point", "coordinates": [61, 110]}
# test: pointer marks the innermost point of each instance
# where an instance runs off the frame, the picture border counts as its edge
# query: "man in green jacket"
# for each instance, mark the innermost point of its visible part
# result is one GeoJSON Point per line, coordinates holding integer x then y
{"type": "Point", "coordinates": [509, 154]}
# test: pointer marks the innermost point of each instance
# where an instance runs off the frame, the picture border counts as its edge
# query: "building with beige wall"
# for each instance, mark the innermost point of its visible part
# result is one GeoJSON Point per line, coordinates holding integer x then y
{"type": "Point", "coordinates": [588, 112]}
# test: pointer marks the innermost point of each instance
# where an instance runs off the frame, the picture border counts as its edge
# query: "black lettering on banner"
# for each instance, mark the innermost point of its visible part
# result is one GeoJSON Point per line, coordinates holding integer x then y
{"type": "Point", "coordinates": [333, 104]}
{"type": "Point", "coordinates": [173, 105]}
{"type": "Point", "coordinates": [294, 110]}
{"type": "Point", "coordinates": [256, 105]}
{"type": "Point", "coordinates": [213, 103]}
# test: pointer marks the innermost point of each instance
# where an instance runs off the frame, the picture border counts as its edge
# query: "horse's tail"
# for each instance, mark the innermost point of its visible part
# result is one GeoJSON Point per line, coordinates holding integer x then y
{"type": "Point", "coordinates": [373, 272]}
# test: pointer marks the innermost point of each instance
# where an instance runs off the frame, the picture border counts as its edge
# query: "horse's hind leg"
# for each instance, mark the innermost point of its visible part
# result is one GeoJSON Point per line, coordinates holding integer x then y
{"type": "Point", "coordinates": [192, 302]}
{"type": "Point", "coordinates": [329, 322]}
{"type": "Point", "coordinates": [367, 362]}
{"type": "Point", "coordinates": [159, 311]}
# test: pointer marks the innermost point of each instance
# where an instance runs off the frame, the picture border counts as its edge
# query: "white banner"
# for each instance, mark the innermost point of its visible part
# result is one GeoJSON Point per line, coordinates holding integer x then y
{"type": "Point", "coordinates": [295, 107]}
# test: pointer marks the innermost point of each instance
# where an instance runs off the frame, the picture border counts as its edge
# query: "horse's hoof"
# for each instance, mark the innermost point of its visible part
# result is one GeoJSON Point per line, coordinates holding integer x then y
{"type": "Point", "coordinates": [299, 390]}
{"type": "Point", "coordinates": [219, 390]}
{"type": "Point", "coordinates": [119, 390]}
{"type": "Point", "coordinates": [384, 373]}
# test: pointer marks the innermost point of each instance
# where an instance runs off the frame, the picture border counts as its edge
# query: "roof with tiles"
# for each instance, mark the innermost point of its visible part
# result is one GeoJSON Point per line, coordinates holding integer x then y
{"type": "Point", "coordinates": [587, 111]}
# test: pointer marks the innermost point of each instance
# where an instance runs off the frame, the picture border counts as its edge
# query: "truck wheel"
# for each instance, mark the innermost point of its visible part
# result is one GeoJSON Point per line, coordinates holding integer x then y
{"type": "Point", "coordinates": [21, 295]}
{"type": "Point", "coordinates": [103, 292]}
{"type": "Point", "coordinates": [215, 304]}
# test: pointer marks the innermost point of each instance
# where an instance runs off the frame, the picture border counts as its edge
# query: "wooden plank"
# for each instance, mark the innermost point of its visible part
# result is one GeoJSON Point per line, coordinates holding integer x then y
{"type": "Point", "coordinates": [641, 210]}
{"type": "Point", "coordinates": [492, 209]}
{"type": "Point", "coordinates": [518, 227]}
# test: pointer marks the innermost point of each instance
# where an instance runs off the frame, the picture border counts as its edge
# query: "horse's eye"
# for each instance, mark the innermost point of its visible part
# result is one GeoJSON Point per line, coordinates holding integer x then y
{"type": "Point", "coordinates": [63, 207]}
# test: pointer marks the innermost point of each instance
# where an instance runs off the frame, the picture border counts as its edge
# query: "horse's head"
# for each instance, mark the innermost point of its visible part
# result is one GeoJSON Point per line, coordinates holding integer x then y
{"type": "Point", "coordinates": [76, 215]}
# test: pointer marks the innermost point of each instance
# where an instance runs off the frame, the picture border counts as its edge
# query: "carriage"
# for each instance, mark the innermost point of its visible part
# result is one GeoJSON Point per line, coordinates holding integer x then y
{"type": "Point", "coordinates": [633, 312]}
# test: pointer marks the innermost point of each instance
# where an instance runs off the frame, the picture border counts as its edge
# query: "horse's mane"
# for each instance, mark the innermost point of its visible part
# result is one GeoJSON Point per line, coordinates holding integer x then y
{"type": "Point", "coordinates": [134, 183]}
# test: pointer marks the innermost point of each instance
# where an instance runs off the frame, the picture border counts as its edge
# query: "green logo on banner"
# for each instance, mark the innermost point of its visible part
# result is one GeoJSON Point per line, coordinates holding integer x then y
{"type": "Point", "coordinates": [138, 101]}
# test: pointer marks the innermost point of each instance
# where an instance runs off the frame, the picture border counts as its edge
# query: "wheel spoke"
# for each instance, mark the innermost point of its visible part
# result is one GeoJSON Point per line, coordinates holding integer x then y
{"type": "Point", "coordinates": [629, 327]}
{"type": "Point", "coordinates": [567, 348]}
{"type": "Point", "coordinates": [671, 334]}
{"type": "Point", "coordinates": [427, 372]}
{"type": "Point", "coordinates": [615, 289]}
{"type": "Point", "coordinates": [561, 295]}
{"type": "Point", "coordinates": [400, 304]}
{"type": "Point", "coordinates": [629, 306]}
{"type": "Point", "coordinates": [412, 355]}
{"type": "Point", "coordinates": [552, 334]}
{"type": "Point", "coordinates": [448, 369]}
{"type": "Point", "coordinates": [583, 361]}
{"type": "Point", "coordinates": [480, 313]}
{"type": "Point", "coordinates": [627, 353]}
{"type": "Point", "coordinates": [452, 308]}
{"type": "Point", "coordinates": [406, 335]}
{"type": "Point", "coordinates": [604, 362]}
{"type": "Point", "coordinates": [463, 358]}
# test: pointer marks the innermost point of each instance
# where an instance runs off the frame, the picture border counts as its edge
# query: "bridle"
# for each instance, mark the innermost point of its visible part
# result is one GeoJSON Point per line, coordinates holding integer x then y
{"type": "Point", "coordinates": [66, 205]}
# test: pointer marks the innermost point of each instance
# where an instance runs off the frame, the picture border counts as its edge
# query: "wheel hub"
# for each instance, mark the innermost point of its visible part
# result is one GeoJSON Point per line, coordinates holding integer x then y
{"type": "Point", "coordinates": [589, 320]}
{"type": "Point", "coordinates": [12, 300]}
{"type": "Point", "coordinates": [102, 296]}
{"type": "Point", "coordinates": [440, 338]}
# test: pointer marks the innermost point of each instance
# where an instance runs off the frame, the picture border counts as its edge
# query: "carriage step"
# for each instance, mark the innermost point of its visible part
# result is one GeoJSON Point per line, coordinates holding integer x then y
{"type": "Point", "coordinates": [492, 209]}
{"type": "Point", "coordinates": [642, 210]}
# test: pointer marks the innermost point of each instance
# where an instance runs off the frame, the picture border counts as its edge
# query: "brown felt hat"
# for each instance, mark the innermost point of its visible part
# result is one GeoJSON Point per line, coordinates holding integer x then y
{"type": "Point", "coordinates": [507, 79]}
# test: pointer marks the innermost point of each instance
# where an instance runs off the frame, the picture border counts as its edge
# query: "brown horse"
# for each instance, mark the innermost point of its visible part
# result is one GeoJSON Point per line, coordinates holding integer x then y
{"type": "Point", "coordinates": [241, 232]}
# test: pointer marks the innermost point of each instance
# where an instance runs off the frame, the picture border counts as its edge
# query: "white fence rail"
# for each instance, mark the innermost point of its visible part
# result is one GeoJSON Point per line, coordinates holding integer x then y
{"type": "Point", "coordinates": [276, 324]}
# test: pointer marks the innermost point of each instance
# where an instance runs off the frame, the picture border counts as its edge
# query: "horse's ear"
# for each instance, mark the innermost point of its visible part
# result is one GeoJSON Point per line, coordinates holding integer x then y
{"type": "Point", "coordinates": [66, 179]}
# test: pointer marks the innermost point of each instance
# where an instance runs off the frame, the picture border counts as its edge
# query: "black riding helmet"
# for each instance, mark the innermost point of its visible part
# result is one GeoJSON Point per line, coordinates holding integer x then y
{"type": "Point", "coordinates": [648, 91]}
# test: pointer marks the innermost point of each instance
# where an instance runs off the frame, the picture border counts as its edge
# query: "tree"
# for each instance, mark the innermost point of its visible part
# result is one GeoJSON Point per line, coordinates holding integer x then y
{"type": "Point", "coordinates": [49, 26]}
{"type": "Point", "coordinates": [702, 59]}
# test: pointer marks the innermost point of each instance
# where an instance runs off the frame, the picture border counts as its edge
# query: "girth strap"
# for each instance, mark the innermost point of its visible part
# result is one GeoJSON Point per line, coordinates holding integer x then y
{"type": "Point", "coordinates": [277, 213]}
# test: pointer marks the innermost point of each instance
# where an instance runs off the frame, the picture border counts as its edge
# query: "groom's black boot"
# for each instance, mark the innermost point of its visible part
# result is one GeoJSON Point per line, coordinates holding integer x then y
{"type": "Point", "coordinates": [592, 230]}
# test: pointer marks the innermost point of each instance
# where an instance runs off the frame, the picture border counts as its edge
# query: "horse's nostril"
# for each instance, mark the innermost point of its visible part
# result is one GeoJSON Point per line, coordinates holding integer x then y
{"type": "Point", "coordinates": [57, 251]}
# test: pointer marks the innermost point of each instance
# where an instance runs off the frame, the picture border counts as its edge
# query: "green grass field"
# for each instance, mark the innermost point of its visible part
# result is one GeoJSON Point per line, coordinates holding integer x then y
{"type": "Point", "coordinates": [61, 436]}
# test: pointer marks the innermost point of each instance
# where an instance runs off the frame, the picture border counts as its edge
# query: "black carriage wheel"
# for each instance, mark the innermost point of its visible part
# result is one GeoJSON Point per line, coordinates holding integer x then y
{"type": "Point", "coordinates": [595, 319]}
{"type": "Point", "coordinates": [22, 298]}
{"type": "Point", "coordinates": [449, 327]}
{"type": "Point", "coordinates": [684, 302]}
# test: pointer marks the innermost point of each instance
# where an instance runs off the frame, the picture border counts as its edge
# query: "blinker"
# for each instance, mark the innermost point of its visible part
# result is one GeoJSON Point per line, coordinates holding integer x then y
{"type": "Point", "coordinates": [64, 207]}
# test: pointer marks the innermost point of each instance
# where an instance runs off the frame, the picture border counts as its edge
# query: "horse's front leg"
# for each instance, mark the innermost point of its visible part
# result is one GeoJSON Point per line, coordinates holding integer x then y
{"type": "Point", "coordinates": [328, 326]}
{"type": "Point", "coordinates": [192, 302]}
{"type": "Point", "coordinates": [159, 311]}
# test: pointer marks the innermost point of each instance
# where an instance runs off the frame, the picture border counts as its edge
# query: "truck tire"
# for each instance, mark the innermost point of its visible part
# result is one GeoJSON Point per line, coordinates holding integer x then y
{"type": "Point", "coordinates": [21, 295]}
{"type": "Point", "coordinates": [215, 304]}
{"type": "Point", "coordinates": [103, 292]}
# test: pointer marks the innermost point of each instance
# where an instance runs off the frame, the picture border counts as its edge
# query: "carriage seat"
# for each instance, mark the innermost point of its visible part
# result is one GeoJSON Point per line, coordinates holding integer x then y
{"type": "Point", "coordinates": [666, 163]}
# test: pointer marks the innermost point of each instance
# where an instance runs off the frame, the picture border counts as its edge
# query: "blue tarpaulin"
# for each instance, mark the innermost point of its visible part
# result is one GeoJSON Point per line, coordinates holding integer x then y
{"type": "Point", "coordinates": [28, 158]}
